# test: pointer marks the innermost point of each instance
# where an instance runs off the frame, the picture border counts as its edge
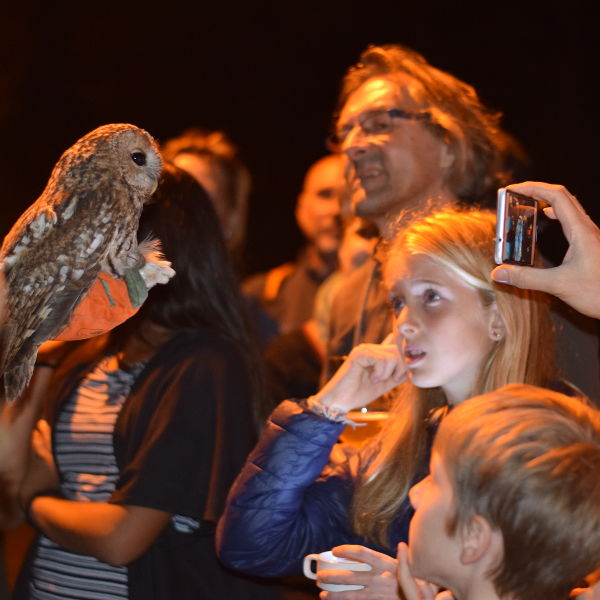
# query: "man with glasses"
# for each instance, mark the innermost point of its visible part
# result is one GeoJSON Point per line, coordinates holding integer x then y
{"type": "Point", "coordinates": [416, 136]}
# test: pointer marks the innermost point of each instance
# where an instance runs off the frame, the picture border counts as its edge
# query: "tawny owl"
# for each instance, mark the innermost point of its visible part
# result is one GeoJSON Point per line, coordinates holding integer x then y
{"type": "Point", "coordinates": [85, 221]}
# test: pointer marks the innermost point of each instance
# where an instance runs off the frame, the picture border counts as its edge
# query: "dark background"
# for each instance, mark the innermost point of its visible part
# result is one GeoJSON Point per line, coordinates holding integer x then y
{"type": "Point", "coordinates": [268, 74]}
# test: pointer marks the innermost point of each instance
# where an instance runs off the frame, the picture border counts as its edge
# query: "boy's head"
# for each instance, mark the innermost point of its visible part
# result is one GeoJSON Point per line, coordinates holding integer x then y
{"type": "Point", "coordinates": [513, 497]}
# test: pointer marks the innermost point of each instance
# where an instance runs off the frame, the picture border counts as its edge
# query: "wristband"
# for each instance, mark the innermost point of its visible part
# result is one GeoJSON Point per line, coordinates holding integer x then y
{"type": "Point", "coordinates": [53, 493]}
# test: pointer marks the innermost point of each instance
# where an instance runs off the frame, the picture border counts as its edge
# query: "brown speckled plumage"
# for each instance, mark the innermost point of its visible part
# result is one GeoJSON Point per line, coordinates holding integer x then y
{"type": "Point", "coordinates": [85, 221]}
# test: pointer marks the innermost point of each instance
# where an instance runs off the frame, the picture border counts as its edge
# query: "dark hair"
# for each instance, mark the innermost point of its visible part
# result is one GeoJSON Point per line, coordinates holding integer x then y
{"type": "Point", "coordinates": [482, 150]}
{"type": "Point", "coordinates": [204, 293]}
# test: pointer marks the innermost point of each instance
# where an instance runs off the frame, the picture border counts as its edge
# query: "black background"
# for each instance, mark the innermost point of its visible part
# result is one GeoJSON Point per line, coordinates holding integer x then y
{"type": "Point", "coordinates": [268, 74]}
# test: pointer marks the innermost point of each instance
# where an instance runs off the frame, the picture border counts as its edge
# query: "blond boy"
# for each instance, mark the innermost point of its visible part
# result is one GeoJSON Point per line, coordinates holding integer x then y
{"type": "Point", "coordinates": [511, 509]}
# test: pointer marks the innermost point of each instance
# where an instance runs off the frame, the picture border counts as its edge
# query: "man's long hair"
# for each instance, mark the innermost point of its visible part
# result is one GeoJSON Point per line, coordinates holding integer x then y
{"type": "Point", "coordinates": [484, 154]}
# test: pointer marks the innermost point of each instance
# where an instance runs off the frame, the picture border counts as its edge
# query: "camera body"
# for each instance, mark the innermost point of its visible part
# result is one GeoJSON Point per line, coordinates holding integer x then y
{"type": "Point", "coordinates": [516, 228]}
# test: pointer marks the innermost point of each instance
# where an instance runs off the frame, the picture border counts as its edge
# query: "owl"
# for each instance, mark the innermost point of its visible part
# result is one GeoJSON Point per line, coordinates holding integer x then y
{"type": "Point", "coordinates": [84, 222]}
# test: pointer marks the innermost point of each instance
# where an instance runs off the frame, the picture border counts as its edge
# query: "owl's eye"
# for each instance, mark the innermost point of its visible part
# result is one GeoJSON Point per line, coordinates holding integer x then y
{"type": "Point", "coordinates": [139, 158]}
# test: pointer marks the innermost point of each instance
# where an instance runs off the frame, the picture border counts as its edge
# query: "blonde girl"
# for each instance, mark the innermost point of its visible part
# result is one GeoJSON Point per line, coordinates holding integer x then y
{"type": "Point", "coordinates": [441, 265]}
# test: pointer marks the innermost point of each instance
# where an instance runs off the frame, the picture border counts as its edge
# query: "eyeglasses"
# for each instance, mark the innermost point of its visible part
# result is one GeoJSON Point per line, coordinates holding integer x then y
{"type": "Point", "coordinates": [378, 122]}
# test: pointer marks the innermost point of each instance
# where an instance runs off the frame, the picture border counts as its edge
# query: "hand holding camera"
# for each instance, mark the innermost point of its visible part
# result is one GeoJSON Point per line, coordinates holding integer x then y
{"type": "Point", "coordinates": [577, 280]}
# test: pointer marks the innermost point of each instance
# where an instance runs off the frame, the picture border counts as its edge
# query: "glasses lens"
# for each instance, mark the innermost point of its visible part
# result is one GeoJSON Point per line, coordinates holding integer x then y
{"type": "Point", "coordinates": [373, 123]}
{"type": "Point", "coordinates": [377, 123]}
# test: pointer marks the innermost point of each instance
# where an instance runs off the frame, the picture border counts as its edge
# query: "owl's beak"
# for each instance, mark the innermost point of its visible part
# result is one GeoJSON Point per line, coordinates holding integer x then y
{"type": "Point", "coordinates": [154, 186]}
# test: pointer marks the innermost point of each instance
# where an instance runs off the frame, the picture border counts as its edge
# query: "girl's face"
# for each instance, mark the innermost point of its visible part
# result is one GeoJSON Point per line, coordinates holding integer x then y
{"type": "Point", "coordinates": [442, 330]}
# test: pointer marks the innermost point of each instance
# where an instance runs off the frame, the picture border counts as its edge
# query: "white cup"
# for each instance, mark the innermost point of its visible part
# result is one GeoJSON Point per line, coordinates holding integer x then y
{"type": "Point", "coordinates": [326, 560]}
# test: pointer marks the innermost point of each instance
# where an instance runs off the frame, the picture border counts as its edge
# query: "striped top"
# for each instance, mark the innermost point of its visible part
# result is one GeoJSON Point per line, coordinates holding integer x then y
{"type": "Point", "coordinates": [84, 454]}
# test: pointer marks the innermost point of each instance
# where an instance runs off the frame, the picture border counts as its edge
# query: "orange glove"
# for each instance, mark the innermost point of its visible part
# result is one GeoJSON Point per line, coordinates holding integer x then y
{"type": "Point", "coordinates": [105, 306]}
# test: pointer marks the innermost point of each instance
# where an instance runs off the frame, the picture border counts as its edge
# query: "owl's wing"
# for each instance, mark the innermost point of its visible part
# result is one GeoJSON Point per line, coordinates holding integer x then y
{"type": "Point", "coordinates": [31, 227]}
{"type": "Point", "coordinates": [39, 219]}
{"type": "Point", "coordinates": [41, 315]}
{"type": "Point", "coordinates": [42, 321]}
{"type": "Point", "coordinates": [46, 280]}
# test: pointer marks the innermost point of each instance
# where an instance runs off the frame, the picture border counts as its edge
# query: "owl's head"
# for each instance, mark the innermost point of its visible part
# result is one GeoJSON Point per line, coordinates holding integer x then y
{"type": "Point", "coordinates": [135, 154]}
{"type": "Point", "coordinates": [118, 153]}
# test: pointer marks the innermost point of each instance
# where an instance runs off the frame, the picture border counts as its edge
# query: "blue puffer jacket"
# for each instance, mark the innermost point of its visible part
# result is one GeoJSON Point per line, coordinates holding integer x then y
{"type": "Point", "coordinates": [288, 502]}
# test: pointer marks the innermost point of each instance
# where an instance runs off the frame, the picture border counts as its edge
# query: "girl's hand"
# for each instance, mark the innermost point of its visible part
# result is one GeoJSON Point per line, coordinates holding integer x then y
{"type": "Point", "coordinates": [380, 582]}
{"type": "Point", "coordinates": [369, 371]}
{"type": "Point", "coordinates": [412, 587]}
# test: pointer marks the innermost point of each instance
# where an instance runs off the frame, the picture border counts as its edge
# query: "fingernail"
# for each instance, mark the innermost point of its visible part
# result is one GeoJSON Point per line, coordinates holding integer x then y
{"type": "Point", "coordinates": [500, 275]}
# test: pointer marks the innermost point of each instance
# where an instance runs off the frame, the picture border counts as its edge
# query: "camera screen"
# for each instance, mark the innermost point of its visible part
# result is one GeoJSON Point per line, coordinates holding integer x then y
{"type": "Point", "coordinates": [519, 229]}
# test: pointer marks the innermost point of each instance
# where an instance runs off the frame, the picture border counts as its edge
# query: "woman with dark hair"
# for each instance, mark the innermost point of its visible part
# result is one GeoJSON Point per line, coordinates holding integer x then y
{"type": "Point", "coordinates": [149, 426]}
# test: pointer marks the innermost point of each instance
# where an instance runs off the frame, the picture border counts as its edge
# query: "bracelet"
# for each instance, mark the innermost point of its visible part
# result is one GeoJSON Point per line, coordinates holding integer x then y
{"type": "Point", "coordinates": [53, 493]}
{"type": "Point", "coordinates": [337, 415]}
{"type": "Point", "coordinates": [41, 363]}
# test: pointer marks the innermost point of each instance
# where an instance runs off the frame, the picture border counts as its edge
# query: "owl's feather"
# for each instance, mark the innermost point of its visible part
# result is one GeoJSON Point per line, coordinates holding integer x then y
{"type": "Point", "coordinates": [85, 221]}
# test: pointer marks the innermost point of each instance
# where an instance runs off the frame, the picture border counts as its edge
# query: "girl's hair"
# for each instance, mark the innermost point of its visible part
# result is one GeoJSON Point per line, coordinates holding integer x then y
{"type": "Point", "coordinates": [462, 241]}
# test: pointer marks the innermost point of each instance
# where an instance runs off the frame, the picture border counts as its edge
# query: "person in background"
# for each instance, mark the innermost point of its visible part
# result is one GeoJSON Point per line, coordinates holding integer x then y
{"type": "Point", "coordinates": [294, 360]}
{"type": "Point", "coordinates": [214, 161]}
{"type": "Point", "coordinates": [287, 292]}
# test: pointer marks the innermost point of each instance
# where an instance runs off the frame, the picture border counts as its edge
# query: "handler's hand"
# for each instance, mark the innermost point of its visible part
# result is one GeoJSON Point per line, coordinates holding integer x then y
{"type": "Point", "coordinates": [577, 280]}
{"type": "Point", "coordinates": [380, 582]}
{"type": "Point", "coordinates": [369, 371]}
{"type": "Point", "coordinates": [591, 593]}
{"type": "Point", "coordinates": [42, 473]}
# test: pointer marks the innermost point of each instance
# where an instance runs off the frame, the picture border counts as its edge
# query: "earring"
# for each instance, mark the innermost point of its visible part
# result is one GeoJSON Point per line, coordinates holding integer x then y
{"type": "Point", "coordinates": [496, 335]}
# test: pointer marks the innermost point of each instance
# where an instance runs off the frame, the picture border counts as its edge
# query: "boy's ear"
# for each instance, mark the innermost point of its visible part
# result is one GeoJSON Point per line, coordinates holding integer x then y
{"type": "Point", "coordinates": [496, 327]}
{"type": "Point", "coordinates": [476, 540]}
